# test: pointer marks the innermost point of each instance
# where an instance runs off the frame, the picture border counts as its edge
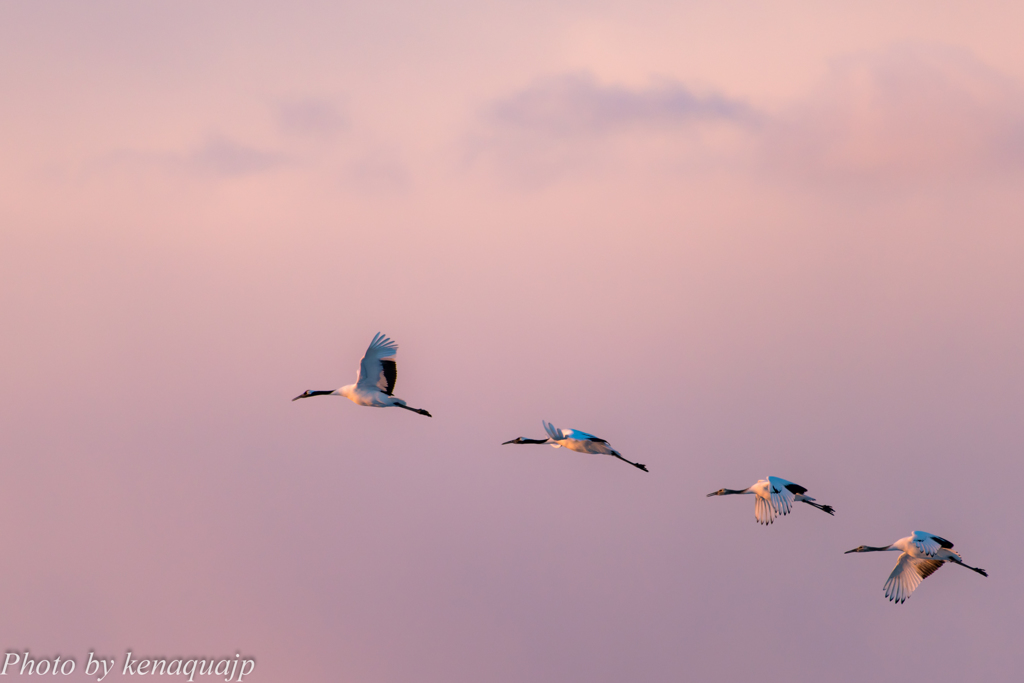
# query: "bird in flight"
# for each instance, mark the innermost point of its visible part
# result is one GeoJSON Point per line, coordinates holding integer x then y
{"type": "Point", "coordinates": [578, 441]}
{"type": "Point", "coordinates": [920, 556]}
{"type": "Point", "coordinates": [775, 498]}
{"type": "Point", "coordinates": [375, 379]}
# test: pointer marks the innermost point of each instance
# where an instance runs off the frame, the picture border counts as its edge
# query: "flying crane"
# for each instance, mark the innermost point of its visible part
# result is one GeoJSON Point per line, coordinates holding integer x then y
{"type": "Point", "coordinates": [578, 441]}
{"type": "Point", "coordinates": [921, 555]}
{"type": "Point", "coordinates": [375, 379]}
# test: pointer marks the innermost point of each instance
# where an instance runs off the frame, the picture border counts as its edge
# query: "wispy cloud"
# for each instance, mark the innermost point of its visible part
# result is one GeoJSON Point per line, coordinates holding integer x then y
{"type": "Point", "coordinates": [574, 123]}
{"type": "Point", "coordinates": [222, 156]}
{"type": "Point", "coordinates": [577, 104]}
{"type": "Point", "coordinates": [907, 112]}
{"type": "Point", "coordinates": [311, 117]}
{"type": "Point", "coordinates": [378, 172]}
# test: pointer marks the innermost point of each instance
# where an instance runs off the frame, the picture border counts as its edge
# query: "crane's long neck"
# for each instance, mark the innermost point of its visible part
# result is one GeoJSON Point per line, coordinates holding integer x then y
{"type": "Point", "coordinates": [310, 392]}
{"type": "Point", "coordinates": [729, 492]}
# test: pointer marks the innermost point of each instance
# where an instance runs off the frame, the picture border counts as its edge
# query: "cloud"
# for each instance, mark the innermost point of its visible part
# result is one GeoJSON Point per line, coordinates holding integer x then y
{"type": "Point", "coordinates": [574, 124]}
{"type": "Point", "coordinates": [904, 113]}
{"type": "Point", "coordinates": [907, 114]}
{"type": "Point", "coordinates": [311, 117]}
{"type": "Point", "coordinates": [378, 172]}
{"type": "Point", "coordinates": [219, 156]}
{"type": "Point", "coordinates": [224, 157]}
{"type": "Point", "coordinates": [576, 104]}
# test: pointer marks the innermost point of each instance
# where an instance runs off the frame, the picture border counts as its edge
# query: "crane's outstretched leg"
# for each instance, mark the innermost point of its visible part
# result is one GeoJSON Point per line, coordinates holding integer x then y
{"type": "Point", "coordinates": [973, 569]}
{"type": "Point", "coordinates": [824, 508]}
{"type": "Point", "coordinates": [415, 410]}
{"type": "Point", "coordinates": [634, 464]}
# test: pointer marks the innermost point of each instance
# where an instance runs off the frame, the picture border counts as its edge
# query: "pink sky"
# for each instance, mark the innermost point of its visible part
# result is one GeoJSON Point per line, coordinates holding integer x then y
{"type": "Point", "coordinates": [733, 238]}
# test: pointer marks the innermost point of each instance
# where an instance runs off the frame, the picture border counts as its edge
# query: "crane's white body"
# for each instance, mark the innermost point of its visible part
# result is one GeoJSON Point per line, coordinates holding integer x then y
{"type": "Point", "coordinates": [375, 379]}
{"type": "Point", "coordinates": [764, 511]}
{"type": "Point", "coordinates": [578, 441]}
{"type": "Point", "coordinates": [774, 497]}
{"type": "Point", "coordinates": [372, 387]}
{"type": "Point", "coordinates": [367, 396]}
{"type": "Point", "coordinates": [921, 555]}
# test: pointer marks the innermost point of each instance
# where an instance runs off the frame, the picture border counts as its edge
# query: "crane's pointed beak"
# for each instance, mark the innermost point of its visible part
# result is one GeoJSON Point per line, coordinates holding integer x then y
{"type": "Point", "coordinates": [508, 442]}
{"type": "Point", "coordinates": [300, 396]}
{"type": "Point", "coordinates": [851, 551]}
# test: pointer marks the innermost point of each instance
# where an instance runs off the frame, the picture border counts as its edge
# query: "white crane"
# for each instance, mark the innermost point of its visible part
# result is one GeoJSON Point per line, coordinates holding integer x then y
{"type": "Point", "coordinates": [375, 379]}
{"type": "Point", "coordinates": [575, 440]}
{"type": "Point", "coordinates": [921, 555]}
{"type": "Point", "coordinates": [775, 497]}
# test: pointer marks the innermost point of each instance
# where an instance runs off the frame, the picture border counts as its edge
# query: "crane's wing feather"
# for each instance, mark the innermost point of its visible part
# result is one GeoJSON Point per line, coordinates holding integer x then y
{"type": "Point", "coordinates": [581, 436]}
{"type": "Point", "coordinates": [377, 369]}
{"type": "Point", "coordinates": [390, 375]}
{"type": "Point", "coordinates": [553, 431]}
{"type": "Point", "coordinates": [929, 544]}
{"type": "Point", "coordinates": [764, 511]}
{"type": "Point", "coordinates": [907, 575]}
{"type": "Point", "coordinates": [782, 494]}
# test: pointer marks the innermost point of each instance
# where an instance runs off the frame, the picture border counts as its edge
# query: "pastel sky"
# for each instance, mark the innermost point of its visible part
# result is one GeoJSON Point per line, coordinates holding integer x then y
{"type": "Point", "coordinates": [735, 239]}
